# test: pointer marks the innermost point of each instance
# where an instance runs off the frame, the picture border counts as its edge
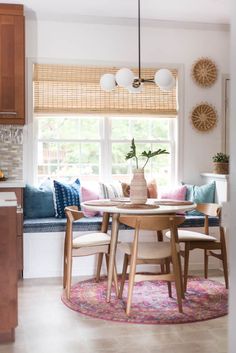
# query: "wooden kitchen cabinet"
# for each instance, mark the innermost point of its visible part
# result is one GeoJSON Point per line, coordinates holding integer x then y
{"type": "Point", "coordinates": [12, 64]}
{"type": "Point", "coordinates": [8, 274]}
{"type": "Point", "coordinates": [19, 225]}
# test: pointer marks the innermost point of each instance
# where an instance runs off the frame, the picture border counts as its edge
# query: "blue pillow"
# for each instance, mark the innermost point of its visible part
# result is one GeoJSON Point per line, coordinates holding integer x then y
{"type": "Point", "coordinates": [38, 202]}
{"type": "Point", "coordinates": [200, 194]}
{"type": "Point", "coordinates": [66, 195]}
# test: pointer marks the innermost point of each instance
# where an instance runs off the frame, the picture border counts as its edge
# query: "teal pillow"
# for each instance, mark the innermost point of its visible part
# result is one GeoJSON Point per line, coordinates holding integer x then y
{"type": "Point", "coordinates": [200, 194]}
{"type": "Point", "coordinates": [38, 202]}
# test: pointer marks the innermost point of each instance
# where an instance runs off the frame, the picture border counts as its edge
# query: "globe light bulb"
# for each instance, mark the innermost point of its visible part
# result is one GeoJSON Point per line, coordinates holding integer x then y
{"type": "Point", "coordinates": [170, 87]}
{"type": "Point", "coordinates": [164, 78]}
{"type": "Point", "coordinates": [124, 77]}
{"type": "Point", "coordinates": [107, 82]}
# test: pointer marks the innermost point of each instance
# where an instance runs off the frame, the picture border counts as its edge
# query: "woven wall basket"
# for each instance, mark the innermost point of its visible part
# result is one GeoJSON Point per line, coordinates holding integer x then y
{"type": "Point", "coordinates": [204, 117]}
{"type": "Point", "coordinates": [204, 72]}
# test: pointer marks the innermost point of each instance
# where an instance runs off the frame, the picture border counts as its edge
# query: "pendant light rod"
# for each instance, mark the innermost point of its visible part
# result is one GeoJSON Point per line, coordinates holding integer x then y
{"type": "Point", "coordinates": [139, 44]}
{"type": "Point", "coordinates": [140, 80]}
{"type": "Point", "coordinates": [125, 78]}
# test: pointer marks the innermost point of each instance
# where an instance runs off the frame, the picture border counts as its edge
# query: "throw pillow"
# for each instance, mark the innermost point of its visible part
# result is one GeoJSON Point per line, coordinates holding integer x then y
{"type": "Point", "coordinates": [125, 189]}
{"type": "Point", "coordinates": [66, 195]}
{"type": "Point", "coordinates": [178, 193]}
{"type": "Point", "coordinates": [110, 191]}
{"type": "Point", "coordinates": [38, 202]}
{"type": "Point", "coordinates": [87, 194]}
{"type": "Point", "coordinates": [200, 194]}
{"type": "Point", "coordinates": [151, 189]}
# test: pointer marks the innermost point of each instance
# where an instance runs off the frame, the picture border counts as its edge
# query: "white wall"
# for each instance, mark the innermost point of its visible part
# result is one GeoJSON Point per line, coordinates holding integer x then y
{"type": "Point", "coordinates": [114, 45]}
{"type": "Point", "coordinates": [232, 238]}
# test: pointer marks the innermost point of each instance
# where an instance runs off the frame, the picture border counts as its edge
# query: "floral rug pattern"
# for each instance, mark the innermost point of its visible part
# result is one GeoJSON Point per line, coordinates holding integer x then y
{"type": "Point", "coordinates": [205, 299]}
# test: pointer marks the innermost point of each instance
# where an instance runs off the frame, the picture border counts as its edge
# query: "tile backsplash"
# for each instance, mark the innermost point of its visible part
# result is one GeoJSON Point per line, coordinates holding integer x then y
{"type": "Point", "coordinates": [11, 151]}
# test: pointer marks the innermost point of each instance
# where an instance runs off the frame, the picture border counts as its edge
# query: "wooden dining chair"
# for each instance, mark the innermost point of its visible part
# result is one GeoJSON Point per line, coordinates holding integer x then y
{"type": "Point", "coordinates": [149, 252]}
{"type": "Point", "coordinates": [83, 245]}
{"type": "Point", "coordinates": [197, 240]}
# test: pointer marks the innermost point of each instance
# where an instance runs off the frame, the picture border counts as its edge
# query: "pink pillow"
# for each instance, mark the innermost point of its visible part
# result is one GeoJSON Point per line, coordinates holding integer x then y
{"type": "Point", "coordinates": [175, 194]}
{"type": "Point", "coordinates": [152, 189]}
{"type": "Point", "coordinates": [87, 194]}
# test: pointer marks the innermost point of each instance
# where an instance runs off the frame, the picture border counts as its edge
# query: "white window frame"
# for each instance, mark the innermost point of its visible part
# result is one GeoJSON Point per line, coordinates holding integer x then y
{"type": "Point", "coordinates": [105, 126]}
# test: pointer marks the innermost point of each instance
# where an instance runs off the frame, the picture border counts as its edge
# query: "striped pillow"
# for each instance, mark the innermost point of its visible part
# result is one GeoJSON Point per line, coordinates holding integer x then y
{"type": "Point", "coordinates": [110, 191]}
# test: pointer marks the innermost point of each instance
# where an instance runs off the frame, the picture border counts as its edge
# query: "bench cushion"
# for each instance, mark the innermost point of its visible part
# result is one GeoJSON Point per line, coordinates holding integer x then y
{"type": "Point", "coordinates": [52, 224]}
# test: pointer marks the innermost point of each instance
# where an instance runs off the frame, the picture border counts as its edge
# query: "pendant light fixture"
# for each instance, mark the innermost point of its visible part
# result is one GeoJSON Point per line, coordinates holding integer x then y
{"type": "Point", "coordinates": [127, 79]}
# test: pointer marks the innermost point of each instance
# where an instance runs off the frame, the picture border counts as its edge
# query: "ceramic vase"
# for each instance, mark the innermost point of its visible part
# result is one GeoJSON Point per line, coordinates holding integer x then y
{"type": "Point", "coordinates": [138, 187]}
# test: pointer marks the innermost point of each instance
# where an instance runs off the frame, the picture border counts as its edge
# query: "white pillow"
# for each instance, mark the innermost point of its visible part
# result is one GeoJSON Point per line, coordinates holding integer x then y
{"type": "Point", "coordinates": [110, 191]}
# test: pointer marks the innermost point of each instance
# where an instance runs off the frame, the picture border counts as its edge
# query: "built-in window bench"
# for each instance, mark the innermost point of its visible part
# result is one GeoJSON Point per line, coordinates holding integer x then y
{"type": "Point", "coordinates": [44, 242]}
{"type": "Point", "coordinates": [49, 225]}
{"type": "Point", "coordinates": [44, 239]}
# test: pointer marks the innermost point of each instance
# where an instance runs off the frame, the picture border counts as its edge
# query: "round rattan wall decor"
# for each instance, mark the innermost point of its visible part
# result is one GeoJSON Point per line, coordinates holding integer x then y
{"type": "Point", "coordinates": [204, 72]}
{"type": "Point", "coordinates": [204, 117]}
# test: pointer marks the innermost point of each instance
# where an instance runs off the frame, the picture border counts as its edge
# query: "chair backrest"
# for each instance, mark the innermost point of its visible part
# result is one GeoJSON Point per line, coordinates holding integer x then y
{"type": "Point", "coordinates": [155, 223]}
{"type": "Point", "coordinates": [209, 209]}
{"type": "Point", "coordinates": [72, 214]}
{"type": "Point", "coordinates": [152, 222]}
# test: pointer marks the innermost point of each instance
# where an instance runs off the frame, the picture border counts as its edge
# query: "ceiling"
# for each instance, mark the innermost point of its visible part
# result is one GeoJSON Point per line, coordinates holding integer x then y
{"type": "Point", "coordinates": [203, 11]}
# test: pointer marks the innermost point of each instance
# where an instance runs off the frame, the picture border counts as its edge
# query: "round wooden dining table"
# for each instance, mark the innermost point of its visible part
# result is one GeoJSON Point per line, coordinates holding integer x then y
{"type": "Point", "coordinates": [116, 207]}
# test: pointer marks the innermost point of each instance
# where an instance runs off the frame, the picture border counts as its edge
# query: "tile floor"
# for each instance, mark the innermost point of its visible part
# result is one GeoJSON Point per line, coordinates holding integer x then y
{"type": "Point", "coordinates": [46, 325]}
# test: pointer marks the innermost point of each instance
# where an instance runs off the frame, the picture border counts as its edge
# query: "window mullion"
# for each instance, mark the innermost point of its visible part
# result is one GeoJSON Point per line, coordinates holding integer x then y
{"type": "Point", "coordinates": [105, 150]}
{"type": "Point", "coordinates": [172, 151]}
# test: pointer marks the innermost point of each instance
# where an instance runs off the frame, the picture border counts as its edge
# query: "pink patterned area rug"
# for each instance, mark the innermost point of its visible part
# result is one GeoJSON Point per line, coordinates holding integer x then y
{"type": "Point", "coordinates": [204, 300]}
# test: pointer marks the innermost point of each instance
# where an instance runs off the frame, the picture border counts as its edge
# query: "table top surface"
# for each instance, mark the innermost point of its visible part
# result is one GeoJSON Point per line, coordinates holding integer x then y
{"type": "Point", "coordinates": [116, 206]}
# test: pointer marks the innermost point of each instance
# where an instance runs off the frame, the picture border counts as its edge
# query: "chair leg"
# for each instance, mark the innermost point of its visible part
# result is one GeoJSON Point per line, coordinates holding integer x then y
{"type": "Point", "coordinates": [160, 238]}
{"type": "Point", "coordinates": [186, 264]}
{"type": "Point", "coordinates": [132, 272]}
{"type": "Point", "coordinates": [64, 272]}
{"type": "Point", "coordinates": [225, 268]}
{"type": "Point", "coordinates": [205, 263]}
{"type": "Point", "coordinates": [116, 281]}
{"type": "Point", "coordinates": [68, 276]}
{"type": "Point", "coordinates": [178, 280]}
{"type": "Point", "coordinates": [114, 275]}
{"type": "Point", "coordinates": [181, 275]}
{"type": "Point", "coordinates": [65, 262]}
{"type": "Point", "coordinates": [107, 260]}
{"type": "Point", "coordinates": [131, 283]}
{"type": "Point", "coordinates": [162, 268]}
{"type": "Point", "coordinates": [169, 282]}
{"type": "Point", "coordinates": [124, 271]}
{"type": "Point", "coordinates": [224, 258]}
{"type": "Point", "coordinates": [99, 266]}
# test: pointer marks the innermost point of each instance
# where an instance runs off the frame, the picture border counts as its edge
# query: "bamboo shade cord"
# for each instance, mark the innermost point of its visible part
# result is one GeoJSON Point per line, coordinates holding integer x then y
{"type": "Point", "coordinates": [76, 89]}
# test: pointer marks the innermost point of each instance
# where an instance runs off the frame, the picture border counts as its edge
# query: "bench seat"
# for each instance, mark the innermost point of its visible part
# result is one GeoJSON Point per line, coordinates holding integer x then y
{"type": "Point", "coordinates": [48, 225]}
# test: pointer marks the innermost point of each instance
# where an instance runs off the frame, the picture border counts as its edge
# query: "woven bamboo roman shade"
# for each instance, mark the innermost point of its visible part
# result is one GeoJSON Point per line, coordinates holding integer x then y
{"type": "Point", "coordinates": [76, 89]}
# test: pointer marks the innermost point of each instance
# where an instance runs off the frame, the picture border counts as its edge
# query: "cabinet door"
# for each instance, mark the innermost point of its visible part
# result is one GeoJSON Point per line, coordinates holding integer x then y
{"type": "Point", "coordinates": [8, 269]}
{"type": "Point", "coordinates": [19, 196]}
{"type": "Point", "coordinates": [12, 73]}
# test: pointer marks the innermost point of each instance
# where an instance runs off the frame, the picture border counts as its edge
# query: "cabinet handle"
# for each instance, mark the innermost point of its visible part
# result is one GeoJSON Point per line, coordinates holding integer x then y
{"type": "Point", "coordinates": [8, 113]}
{"type": "Point", "coordinates": [19, 209]}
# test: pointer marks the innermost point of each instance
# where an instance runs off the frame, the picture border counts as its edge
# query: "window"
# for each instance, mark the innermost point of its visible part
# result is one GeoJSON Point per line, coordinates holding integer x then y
{"type": "Point", "coordinates": [94, 147]}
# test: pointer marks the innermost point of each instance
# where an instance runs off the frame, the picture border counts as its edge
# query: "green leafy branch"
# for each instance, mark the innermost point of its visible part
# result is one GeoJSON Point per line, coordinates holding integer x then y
{"type": "Point", "coordinates": [221, 158]}
{"type": "Point", "coordinates": [133, 154]}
